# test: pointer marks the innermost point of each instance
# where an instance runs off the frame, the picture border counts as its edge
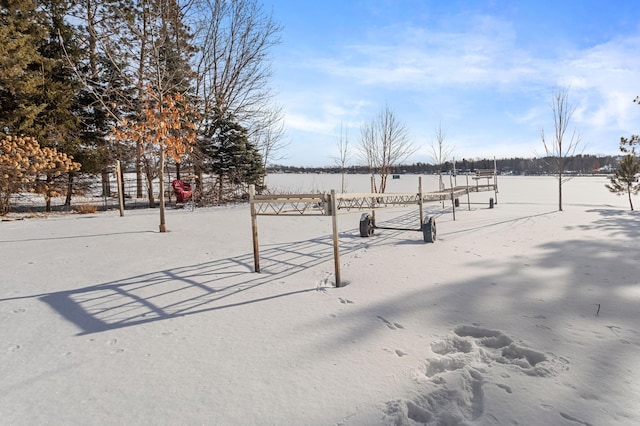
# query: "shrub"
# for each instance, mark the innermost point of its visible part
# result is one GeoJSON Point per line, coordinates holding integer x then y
{"type": "Point", "coordinates": [86, 208]}
{"type": "Point", "coordinates": [26, 166]}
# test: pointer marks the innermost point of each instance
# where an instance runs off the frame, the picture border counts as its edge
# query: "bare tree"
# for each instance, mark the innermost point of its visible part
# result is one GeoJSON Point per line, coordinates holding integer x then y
{"type": "Point", "coordinates": [561, 145]}
{"type": "Point", "coordinates": [344, 155]}
{"type": "Point", "coordinates": [440, 152]}
{"type": "Point", "coordinates": [384, 143]}
{"type": "Point", "coordinates": [268, 133]}
{"type": "Point", "coordinates": [233, 70]}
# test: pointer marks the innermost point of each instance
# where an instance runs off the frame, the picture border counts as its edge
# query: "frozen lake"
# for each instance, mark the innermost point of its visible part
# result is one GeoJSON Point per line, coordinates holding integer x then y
{"type": "Point", "coordinates": [583, 190]}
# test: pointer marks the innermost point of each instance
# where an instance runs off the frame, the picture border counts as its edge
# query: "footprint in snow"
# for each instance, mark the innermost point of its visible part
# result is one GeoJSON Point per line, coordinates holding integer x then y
{"type": "Point", "coordinates": [12, 348]}
{"type": "Point", "coordinates": [574, 419]}
{"type": "Point", "coordinates": [463, 358]}
{"type": "Point", "coordinates": [344, 301]}
{"type": "Point", "coordinates": [505, 387]}
{"type": "Point", "coordinates": [397, 352]}
{"type": "Point", "coordinates": [392, 326]}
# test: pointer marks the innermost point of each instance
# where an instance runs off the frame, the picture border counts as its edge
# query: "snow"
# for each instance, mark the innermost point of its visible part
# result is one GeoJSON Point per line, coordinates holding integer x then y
{"type": "Point", "coordinates": [517, 315]}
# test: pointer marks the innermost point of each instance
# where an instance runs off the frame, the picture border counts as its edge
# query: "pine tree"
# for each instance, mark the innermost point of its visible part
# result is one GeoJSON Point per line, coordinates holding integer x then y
{"type": "Point", "coordinates": [21, 80]}
{"type": "Point", "coordinates": [230, 156]}
{"type": "Point", "coordinates": [625, 180]}
{"type": "Point", "coordinates": [37, 86]}
{"type": "Point", "coordinates": [106, 89]}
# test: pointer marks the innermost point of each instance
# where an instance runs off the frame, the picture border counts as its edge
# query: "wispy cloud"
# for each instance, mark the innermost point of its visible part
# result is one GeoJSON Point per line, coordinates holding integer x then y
{"type": "Point", "coordinates": [474, 72]}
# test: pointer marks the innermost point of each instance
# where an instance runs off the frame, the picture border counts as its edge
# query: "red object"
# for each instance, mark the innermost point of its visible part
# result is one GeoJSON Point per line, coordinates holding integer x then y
{"type": "Point", "coordinates": [182, 190]}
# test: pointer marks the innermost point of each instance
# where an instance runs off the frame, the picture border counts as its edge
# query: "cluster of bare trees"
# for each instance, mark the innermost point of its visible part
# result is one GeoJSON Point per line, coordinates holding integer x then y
{"type": "Point", "coordinates": [384, 143]}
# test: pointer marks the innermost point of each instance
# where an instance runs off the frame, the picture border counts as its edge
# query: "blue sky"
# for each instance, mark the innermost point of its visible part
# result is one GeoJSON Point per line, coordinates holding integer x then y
{"type": "Point", "coordinates": [484, 71]}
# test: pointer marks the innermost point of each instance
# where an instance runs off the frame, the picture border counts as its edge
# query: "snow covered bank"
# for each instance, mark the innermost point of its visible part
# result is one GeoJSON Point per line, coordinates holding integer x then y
{"type": "Point", "coordinates": [516, 315]}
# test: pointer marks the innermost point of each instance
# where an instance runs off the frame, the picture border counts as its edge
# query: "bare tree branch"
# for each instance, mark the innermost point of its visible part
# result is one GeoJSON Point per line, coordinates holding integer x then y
{"type": "Point", "coordinates": [560, 146]}
{"type": "Point", "coordinates": [384, 143]}
{"type": "Point", "coordinates": [440, 152]}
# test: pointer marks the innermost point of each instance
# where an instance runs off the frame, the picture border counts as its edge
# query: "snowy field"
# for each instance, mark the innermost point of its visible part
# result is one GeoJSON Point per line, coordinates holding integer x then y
{"type": "Point", "coordinates": [517, 315]}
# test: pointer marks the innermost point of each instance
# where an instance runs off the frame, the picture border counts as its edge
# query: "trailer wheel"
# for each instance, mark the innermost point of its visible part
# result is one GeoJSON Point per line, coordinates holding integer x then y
{"type": "Point", "coordinates": [366, 225]}
{"type": "Point", "coordinates": [429, 230]}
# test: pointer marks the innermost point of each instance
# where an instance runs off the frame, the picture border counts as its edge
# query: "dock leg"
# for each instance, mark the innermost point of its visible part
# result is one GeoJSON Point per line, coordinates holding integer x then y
{"type": "Point", "coordinates": [254, 229]}
{"type": "Point", "coordinates": [336, 242]}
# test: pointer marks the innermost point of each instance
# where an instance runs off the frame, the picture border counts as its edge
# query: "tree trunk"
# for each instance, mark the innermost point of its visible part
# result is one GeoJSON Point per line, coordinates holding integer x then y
{"type": "Point", "coordinates": [163, 226]}
{"type": "Point", "coordinates": [121, 189]}
{"type": "Point", "coordinates": [67, 200]}
{"type": "Point", "coordinates": [138, 170]}
{"type": "Point", "coordinates": [106, 184]}
{"type": "Point", "coordinates": [47, 195]}
{"type": "Point", "coordinates": [383, 182]}
{"type": "Point", "coordinates": [630, 201]}
{"type": "Point", "coordinates": [152, 200]}
{"type": "Point", "coordinates": [5, 204]}
{"type": "Point", "coordinates": [220, 179]}
{"type": "Point", "coordinates": [560, 192]}
{"type": "Point", "coordinates": [560, 170]}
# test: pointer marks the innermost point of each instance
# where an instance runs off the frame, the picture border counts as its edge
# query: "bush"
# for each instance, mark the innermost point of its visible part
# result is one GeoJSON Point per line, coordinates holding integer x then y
{"type": "Point", "coordinates": [25, 166]}
{"type": "Point", "coordinates": [86, 208]}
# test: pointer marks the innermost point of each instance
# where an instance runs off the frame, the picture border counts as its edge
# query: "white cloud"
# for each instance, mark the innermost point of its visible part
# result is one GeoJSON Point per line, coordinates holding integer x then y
{"type": "Point", "coordinates": [476, 77]}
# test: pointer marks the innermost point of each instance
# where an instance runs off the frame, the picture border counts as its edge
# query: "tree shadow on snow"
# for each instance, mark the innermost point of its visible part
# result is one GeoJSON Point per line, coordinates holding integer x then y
{"type": "Point", "coordinates": [616, 222]}
{"type": "Point", "coordinates": [578, 290]}
{"type": "Point", "coordinates": [204, 287]}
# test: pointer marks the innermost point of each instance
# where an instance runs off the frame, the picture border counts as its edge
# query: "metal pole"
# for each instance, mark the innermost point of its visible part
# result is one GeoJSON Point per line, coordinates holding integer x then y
{"type": "Point", "coordinates": [336, 244]}
{"type": "Point", "coordinates": [254, 228]}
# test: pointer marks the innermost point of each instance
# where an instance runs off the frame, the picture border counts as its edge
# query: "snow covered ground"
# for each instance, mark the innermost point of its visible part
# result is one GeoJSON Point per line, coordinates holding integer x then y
{"type": "Point", "coordinates": [517, 315]}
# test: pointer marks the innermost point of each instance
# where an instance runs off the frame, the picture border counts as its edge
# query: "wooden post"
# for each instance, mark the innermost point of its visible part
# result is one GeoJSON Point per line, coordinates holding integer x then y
{"type": "Point", "coordinates": [468, 194]}
{"type": "Point", "coordinates": [373, 200]}
{"type": "Point", "coordinates": [254, 228]}
{"type": "Point", "coordinates": [455, 175]}
{"type": "Point", "coordinates": [420, 202]}
{"type": "Point", "coordinates": [453, 201]}
{"type": "Point", "coordinates": [495, 180]}
{"type": "Point", "coordinates": [119, 182]}
{"type": "Point", "coordinates": [336, 244]}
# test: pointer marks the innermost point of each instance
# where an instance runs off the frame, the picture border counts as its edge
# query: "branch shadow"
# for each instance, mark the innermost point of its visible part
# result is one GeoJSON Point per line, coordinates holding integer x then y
{"type": "Point", "coordinates": [199, 288]}
{"type": "Point", "coordinates": [559, 305]}
{"type": "Point", "coordinates": [72, 237]}
{"type": "Point", "coordinates": [616, 222]}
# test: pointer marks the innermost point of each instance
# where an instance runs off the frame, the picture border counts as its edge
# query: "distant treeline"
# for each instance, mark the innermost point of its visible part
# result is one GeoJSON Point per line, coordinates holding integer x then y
{"type": "Point", "coordinates": [579, 164]}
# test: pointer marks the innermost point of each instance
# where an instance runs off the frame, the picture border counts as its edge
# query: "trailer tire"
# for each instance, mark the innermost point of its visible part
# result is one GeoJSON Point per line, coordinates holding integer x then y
{"type": "Point", "coordinates": [429, 230]}
{"type": "Point", "coordinates": [366, 225]}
